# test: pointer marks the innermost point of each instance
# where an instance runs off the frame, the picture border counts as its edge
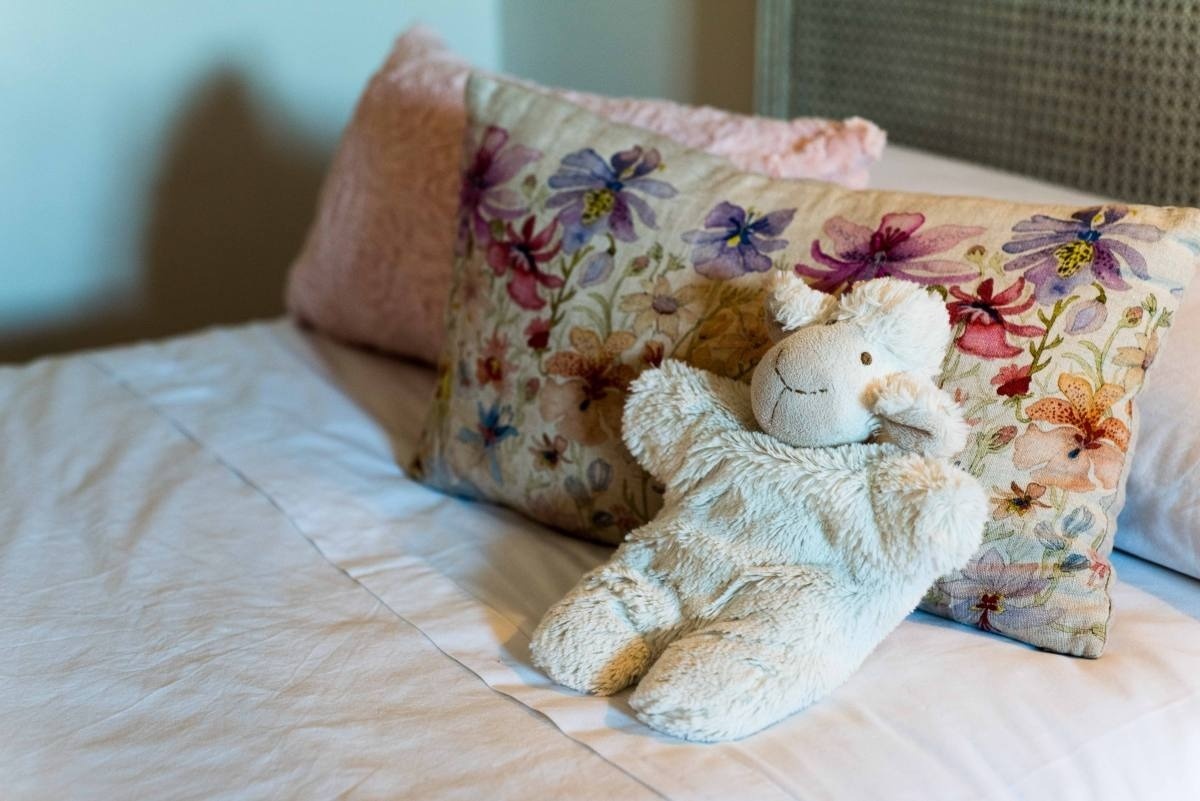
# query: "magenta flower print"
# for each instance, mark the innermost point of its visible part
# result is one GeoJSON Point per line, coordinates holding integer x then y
{"type": "Point", "coordinates": [1012, 381]}
{"type": "Point", "coordinates": [482, 196]}
{"type": "Point", "coordinates": [537, 333]}
{"type": "Point", "coordinates": [601, 196]}
{"type": "Point", "coordinates": [895, 248]}
{"type": "Point", "coordinates": [521, 254]}
{"type": "Point", "coordinates": [734, 242]}
{"type": "Point", "coordinates": [985, 319]}
{"type": "Point", "coordinates": [1061, 255]}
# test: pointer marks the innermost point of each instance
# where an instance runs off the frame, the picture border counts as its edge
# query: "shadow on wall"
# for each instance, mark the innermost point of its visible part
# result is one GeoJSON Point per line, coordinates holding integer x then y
{"type": "Point", "coordinates": [229, 208]}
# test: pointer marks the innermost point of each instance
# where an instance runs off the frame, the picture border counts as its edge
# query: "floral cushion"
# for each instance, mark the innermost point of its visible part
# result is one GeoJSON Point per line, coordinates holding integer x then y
{"type": "Point", "coordinates": [610, 248]}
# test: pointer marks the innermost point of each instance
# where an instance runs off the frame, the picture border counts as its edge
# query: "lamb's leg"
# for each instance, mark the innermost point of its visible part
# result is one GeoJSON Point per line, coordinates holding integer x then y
{"type": "Point", "coordinates": [603, 635]}
{"type": "Point", "coordinates": [775, 647]}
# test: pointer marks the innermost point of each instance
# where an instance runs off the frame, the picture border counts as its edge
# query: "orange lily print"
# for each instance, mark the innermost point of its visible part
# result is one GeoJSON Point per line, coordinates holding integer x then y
{"type": "Point", "coordinates": [1085, 446]}
{"type": "Point", "coordinates": [586, 406]}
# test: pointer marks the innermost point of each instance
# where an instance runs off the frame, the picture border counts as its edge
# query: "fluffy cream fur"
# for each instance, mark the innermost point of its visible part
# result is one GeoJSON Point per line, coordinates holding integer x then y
{"type": "Point", "coordinates": [787, 547]}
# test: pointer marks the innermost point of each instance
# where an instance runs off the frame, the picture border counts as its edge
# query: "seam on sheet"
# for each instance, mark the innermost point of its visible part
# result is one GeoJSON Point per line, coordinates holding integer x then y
{"type": "Point", "coordinates": [259, 490]}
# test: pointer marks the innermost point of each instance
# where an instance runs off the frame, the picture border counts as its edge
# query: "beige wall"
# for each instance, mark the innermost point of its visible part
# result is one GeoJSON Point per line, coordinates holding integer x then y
{"type": "Point", "coordinates": [159, 160]}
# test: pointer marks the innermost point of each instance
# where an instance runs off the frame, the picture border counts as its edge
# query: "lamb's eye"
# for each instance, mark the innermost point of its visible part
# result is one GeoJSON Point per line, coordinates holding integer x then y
{"type": "Point", "coordinates": [865, 357]}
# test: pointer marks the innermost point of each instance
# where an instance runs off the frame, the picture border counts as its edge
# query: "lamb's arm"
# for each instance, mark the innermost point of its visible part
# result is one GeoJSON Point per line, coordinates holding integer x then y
{"type": "Point", "coordinates": [929, 514]}
{"type": "Point", "coordinates": [916, 415]}
{"type": "Point", "coordinates": [676, 415]}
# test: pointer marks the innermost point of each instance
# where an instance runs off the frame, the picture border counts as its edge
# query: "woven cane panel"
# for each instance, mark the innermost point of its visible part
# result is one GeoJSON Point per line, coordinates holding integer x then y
{"type": "Point", "coordinates": [1103, 95]}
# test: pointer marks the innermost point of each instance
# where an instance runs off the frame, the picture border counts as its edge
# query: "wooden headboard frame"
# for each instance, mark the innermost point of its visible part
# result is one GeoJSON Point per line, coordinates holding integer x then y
{"type": "Point", "coordinates": [1103, 95]}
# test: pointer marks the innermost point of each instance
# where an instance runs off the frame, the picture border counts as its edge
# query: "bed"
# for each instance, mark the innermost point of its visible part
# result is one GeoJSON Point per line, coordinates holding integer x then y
{"type": "Point", "coordinates": [217, 583]}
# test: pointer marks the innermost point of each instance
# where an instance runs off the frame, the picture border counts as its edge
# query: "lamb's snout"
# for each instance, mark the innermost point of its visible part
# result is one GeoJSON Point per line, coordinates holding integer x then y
{"type": "Point", "coordinates": [795, 385]}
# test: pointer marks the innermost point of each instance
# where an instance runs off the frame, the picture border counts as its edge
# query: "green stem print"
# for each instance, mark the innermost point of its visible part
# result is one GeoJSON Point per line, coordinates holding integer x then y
{"type": "Point", "coordinates": [689, 336]}
{"type": "Point", "coordinates": [979, 452]}
{"type": "Point", "coordinates": [639, 508]}
{"type": "Point", "coordinates": [608, 303]}
{"type": "Point", "coordinates": [1130, 318]}
{"type": "Point", "coordinates": [1102, 355]}
{"type": "Point", "coordinates": [1038, 352]}
{"type": "Point", "coordinates": [566, 292]}
{"type": "Point", "coordinates": [612, 299]}
{"type": "Point", "coordinates": [952, 356]}
{"type": "Point", "coordinates": [1045, 343]}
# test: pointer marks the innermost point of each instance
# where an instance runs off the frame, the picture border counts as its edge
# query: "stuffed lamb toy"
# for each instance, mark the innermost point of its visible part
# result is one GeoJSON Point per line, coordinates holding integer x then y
{"type": "Point", "coordinates": [805, 515]}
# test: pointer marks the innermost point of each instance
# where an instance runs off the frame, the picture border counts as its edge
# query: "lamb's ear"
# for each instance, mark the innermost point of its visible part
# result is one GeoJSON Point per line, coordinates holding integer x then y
{"type": "Point", "coordinates": [913, 413]}
{"type": "Point", "coordinates": [902, 317]}
{"type": "Point", "coordinates": [793, 304]}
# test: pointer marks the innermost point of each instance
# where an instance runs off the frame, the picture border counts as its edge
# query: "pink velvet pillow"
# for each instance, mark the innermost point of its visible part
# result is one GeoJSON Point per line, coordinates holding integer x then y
{"type": "Point", "coordinates": [376, 267]}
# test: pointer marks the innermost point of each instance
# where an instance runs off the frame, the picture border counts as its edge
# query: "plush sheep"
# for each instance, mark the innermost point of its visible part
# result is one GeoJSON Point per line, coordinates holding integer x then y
{"type": "Point", "coordinates": [805, 515]}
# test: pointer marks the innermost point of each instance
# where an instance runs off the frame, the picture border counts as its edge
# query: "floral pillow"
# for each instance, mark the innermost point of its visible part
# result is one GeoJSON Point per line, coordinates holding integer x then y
{"type": "Point", "coordinates": [606, 249]}
{"type": "Point", "coordinates": [375, 267]}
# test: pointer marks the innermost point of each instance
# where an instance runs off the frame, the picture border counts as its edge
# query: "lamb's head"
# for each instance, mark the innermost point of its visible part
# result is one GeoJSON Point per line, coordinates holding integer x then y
{"type": "Point", "coordinates": [850, 368]}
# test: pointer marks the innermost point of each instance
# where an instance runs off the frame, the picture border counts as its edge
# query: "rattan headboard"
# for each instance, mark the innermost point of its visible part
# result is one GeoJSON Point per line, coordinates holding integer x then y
{"type": "Point", "coordinates": [1103, 95]}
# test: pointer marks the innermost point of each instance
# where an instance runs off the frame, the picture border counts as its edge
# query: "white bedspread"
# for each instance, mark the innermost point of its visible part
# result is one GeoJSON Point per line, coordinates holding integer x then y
{"type": "Point", "coordinates": [168, 631]}
{"type": "Point", "coordinates": [216, 583]}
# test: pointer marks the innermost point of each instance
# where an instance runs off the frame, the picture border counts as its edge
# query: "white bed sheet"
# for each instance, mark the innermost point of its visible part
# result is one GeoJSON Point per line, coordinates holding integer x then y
{"type": "Point", "coordinates": [216, 583]}
{"type": "Point", "coordinates": [167, 632]}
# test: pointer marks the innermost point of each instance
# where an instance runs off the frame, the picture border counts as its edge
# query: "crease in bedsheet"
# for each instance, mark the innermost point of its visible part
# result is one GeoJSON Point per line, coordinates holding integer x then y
{"type": "Point", "coordinates": [294, 525]}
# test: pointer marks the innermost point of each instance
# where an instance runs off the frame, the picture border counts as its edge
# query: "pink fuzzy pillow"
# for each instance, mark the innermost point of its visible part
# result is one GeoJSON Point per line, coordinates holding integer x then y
{"type": "Point", "coordinates": [376, 267]}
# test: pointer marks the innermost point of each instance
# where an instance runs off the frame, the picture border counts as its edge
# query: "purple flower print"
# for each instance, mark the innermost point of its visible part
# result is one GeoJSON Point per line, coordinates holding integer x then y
{"type": "Point", "coordinates": [1061, 255]}
{"type": "Point", "coordinates": [482, 195]}
{"type": "Point", "coordinates": [734, 242]}
{"type": "Point", "coordinates": [599, 475]}
{"type": "Point", "coordinates": [997, 596]}
{"type": "Point", "coordinates": [1086, 317]}
{"type": "Point", "coordinates": [893, 249]}
{"type": "Point", "coordinates": [601, 196]}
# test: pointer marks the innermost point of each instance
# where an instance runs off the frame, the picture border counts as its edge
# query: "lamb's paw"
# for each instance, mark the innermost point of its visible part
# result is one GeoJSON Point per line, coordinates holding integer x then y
{"type": "Point", "coordinates": [917, 416]}
{"type": "Point", "coordinates": [938, 502]}
{"type": "Point", "coordinates": [587, 644]}
{"type": "Point", "coordinates": [710, 700]}
{"type": "Point", "coordinates": [688, 716]}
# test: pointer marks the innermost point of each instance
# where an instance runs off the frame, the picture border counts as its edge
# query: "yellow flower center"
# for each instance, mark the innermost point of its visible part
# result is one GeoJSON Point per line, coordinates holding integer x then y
{"type": "Point", "coordinates": [734, 240]}
{"type": "Point", "coordinates": [597, 203]}
{"type": "Point", "coordinates": [1073, 257]}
